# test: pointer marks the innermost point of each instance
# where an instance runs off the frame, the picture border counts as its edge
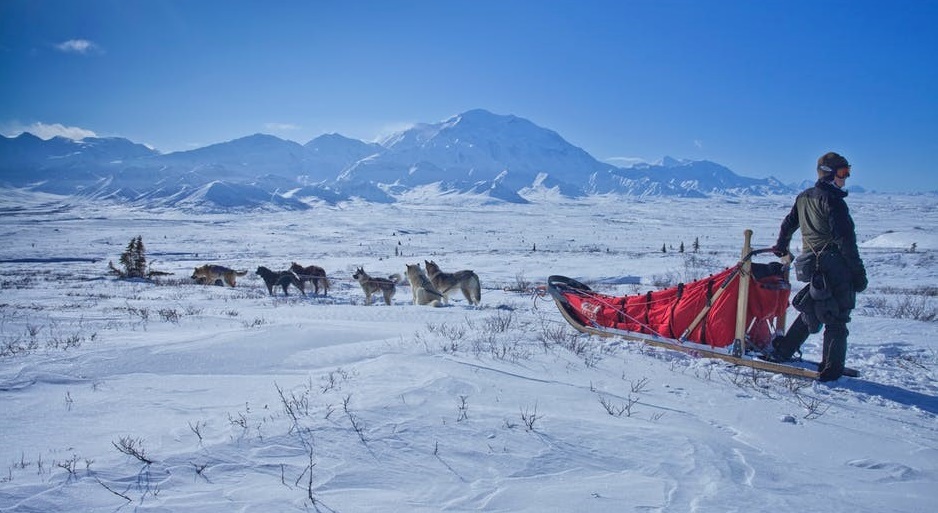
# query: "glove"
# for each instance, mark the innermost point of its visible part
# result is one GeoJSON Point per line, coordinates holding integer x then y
{"type": "Point", "coordinates": [859, 281]}
{"type": "Point", "coordinates": [780, 251]}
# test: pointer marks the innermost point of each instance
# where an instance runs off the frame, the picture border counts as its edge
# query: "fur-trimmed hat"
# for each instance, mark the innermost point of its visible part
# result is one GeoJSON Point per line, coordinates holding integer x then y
{"type": "Point", "coordinates": [828, 164]}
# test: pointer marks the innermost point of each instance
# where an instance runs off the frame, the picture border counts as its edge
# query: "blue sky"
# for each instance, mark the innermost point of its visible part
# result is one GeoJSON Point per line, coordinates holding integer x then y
{"type": "Point", "coordinates": [763, 87]}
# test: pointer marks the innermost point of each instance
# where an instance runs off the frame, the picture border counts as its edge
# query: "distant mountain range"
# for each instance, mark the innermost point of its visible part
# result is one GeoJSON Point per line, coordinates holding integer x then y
{"type": "Point", "coordinates": [476, 154]}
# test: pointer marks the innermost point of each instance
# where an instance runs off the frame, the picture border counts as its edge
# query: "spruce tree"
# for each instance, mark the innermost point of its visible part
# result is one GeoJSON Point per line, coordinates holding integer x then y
{"type": "Point", "coordinates": [133, 260]}
{"type": "Point", "coordinates": [140, 259]}
{"type": "Point", "coordinates": [127, 259]}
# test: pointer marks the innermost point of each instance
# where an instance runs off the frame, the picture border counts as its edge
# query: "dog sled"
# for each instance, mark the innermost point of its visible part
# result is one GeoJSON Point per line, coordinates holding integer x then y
{"type": "Point", "coordinates": [732, 315]}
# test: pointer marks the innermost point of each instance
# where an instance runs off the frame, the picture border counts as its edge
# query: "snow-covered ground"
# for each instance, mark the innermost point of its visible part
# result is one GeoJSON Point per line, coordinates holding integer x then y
{"type": "Point", "coordinates": [239, 401]}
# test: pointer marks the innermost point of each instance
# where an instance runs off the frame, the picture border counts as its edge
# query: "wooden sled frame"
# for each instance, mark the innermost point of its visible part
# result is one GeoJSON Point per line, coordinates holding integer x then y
{"type": "Point", "coordinates": [737, 351]}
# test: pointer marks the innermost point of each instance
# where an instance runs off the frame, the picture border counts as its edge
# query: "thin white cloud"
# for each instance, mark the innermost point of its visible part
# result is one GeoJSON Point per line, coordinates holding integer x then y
{"type": "Point", "coordinates": [281, 127]}
{"type": "Point", "coordinates": [48, 131]}
{"type": "Point", "coordinates": [80, 46]}
{"type": "Point", "coordinates": [389, 129]}
{"type": "Point", "coordinates": [626, 161]}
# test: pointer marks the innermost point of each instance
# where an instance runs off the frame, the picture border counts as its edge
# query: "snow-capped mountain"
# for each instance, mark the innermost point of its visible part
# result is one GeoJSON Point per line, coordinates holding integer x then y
{"type": "Point", "coordinates": [27, 150]}
{"type": "Point", "coordinates": [692, 178]}
{"type": "Point", "coordinates": [331, 154]}
{"type": "Point", "coordinates": [481, 146]}
{"type": "Point", "coordinates": [242, 159]}
{"type": "Point", "coordinates": [503, 158]}
{"type": "Point", "coordinates": [71, 164]}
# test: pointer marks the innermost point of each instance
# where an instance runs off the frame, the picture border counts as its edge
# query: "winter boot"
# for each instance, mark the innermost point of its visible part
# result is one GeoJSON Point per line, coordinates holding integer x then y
{"type": "Point", "coordinates": [772, 352]}
{"type": "Point", "coordinates": [784, 347]}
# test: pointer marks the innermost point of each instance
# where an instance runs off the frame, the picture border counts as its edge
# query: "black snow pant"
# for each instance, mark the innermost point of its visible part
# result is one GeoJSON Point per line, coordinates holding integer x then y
{"type": "Point", "coordinates": [833, 313]}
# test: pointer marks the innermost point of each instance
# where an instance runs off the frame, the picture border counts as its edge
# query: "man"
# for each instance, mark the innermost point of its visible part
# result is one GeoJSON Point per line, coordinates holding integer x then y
{"type": "Point", "coordinates": [827, 233]}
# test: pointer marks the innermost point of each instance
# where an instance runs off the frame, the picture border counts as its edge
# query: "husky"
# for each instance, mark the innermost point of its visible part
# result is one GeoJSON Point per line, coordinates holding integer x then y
{"type": "Point", "coordinates": [314, 274]}
{"type": "Point", "coordinates": [282, 278]}
{"type": "Point", "coordinates": [216, 274]}
{"type": "Point", "coordinates": [423, 290]}
{"type": "Point", "coordinates": [370, 285]}
{"type": "Point", "coordinates": [466, 281]}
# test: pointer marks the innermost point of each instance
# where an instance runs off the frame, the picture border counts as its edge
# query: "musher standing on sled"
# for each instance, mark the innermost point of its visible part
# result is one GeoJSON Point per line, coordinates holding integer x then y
{"type": "Point", "coordinates": [827, 233]}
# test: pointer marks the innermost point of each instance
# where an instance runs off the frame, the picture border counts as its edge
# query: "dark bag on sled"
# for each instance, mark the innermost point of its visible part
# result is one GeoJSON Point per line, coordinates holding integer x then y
{"type": "Point", "coordinates": [816, 312]}
{"type": "Point", "coordinates": [805, 266]}
{"type": "Point", "coordinates": [818, 288]}
{"type": "Point", "coordinates": [806, 306]}
{"type": "Point", "coordinates": [826, 308]}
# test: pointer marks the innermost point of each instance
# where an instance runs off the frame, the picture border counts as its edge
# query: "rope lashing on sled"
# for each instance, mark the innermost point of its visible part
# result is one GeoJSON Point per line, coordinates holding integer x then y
{"type": "Point", "coordinates": [711, 299]}
{"type": "Point", "coordinates": [600, 298]}
{"type": "Point", "coordinates": [732, 318]}
{"type": "Point", "coordinates": [541, 291]}
{"type": "Point", "coordinates": [679, 313]}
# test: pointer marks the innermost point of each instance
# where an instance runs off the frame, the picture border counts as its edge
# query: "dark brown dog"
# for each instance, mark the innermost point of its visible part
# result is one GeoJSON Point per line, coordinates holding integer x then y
{"type": "Point", "coordinates": [282, 278]}
{"type": "Point", "coordinates": [312, 273]}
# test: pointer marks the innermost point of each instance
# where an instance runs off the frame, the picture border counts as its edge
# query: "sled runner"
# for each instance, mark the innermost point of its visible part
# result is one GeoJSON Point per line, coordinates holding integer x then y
{"type": "Point", "coordinates": [732, 315]}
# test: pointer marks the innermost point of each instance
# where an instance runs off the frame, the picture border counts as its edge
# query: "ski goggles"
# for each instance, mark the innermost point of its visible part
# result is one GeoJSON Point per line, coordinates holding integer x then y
{"type": "Point", "coordinates": [842, 171]}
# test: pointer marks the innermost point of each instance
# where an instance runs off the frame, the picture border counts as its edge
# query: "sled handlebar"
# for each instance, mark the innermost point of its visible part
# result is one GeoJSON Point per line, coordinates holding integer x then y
{"type": "Point", "coordinates": [745, 259]}
{"type": "Point", "coordinates": [757, 252]}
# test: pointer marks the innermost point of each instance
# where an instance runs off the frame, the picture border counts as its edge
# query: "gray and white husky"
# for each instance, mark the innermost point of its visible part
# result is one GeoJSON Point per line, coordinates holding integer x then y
{"type": "Point", "coordinates": [371, 285]}
{"type": "Point", "coordinates": [467, 281]}
{"type": "Point", "coordinates": [423, 290]}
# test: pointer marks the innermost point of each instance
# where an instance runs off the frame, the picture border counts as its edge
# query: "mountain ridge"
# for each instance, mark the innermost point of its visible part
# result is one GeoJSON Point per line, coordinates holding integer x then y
{"type": "Point", "coordinates": [504, 158]}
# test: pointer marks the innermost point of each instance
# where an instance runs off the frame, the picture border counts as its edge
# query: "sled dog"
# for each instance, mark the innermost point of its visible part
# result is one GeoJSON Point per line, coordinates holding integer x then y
{"type": "Point", "coordinates": [281, 278]}
{"type": "Point", "coordinates": [371, 285]}
{"type": "Point", "coordinates": [423, 290]}
{"type": "Point", "coordinates": [466, 281]}
{"type": "Point", "coordinates": [210, 274]}
{"type": "Point", "coordinates": [314, 274]}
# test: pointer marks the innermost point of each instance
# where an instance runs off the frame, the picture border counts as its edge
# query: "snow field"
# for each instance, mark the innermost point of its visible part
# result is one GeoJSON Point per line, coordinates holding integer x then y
{"type": "Point", "coordinates": [239, 397]}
